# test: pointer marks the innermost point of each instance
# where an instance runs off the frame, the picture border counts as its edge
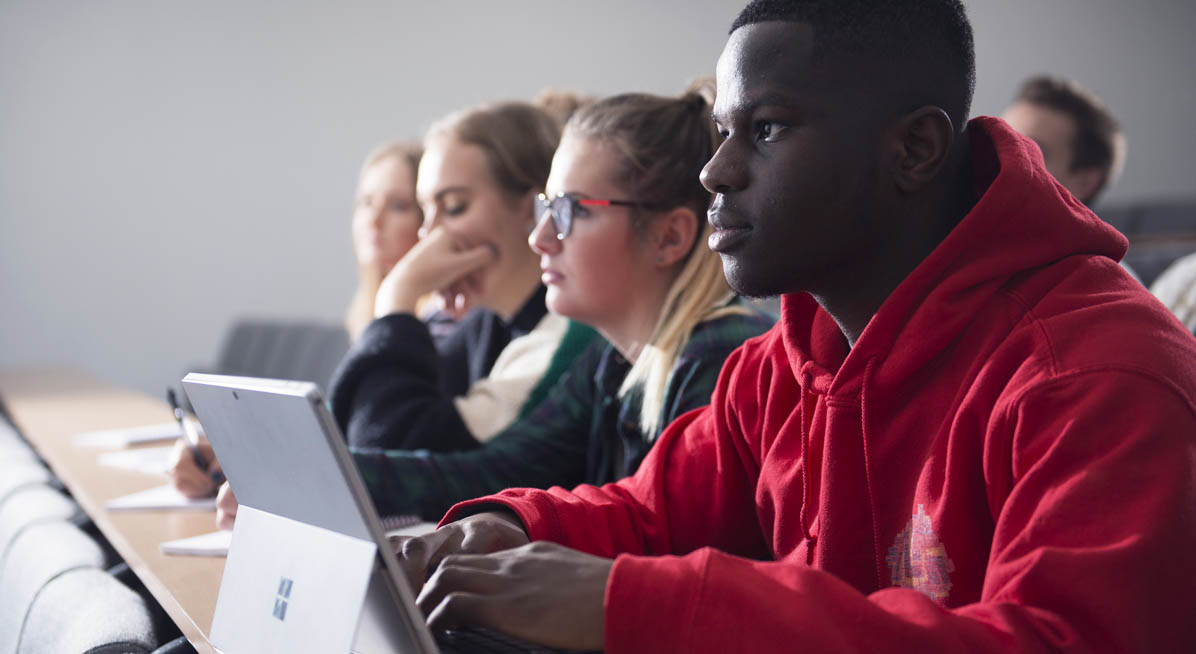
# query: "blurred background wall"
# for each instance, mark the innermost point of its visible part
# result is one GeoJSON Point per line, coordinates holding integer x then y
{"type": "Point", "coordinates": [168, 167]}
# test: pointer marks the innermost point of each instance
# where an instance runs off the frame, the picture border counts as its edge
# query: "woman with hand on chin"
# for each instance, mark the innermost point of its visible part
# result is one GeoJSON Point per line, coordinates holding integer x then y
{"type": "Point", "coordinates": [398, 387]}
{"type": "Point", "coordinates": [478, 179]}
{"type": "Point", "coordinates": [621, 240]}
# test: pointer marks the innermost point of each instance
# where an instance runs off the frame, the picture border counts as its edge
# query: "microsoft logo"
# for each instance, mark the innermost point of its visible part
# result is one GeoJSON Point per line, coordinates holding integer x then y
{"type": "Point", "coordinates": [280, 602]}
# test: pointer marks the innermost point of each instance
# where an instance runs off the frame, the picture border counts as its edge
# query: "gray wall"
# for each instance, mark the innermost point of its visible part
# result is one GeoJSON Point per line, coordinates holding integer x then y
{"type": "Point", "coordinates": [166, 167]}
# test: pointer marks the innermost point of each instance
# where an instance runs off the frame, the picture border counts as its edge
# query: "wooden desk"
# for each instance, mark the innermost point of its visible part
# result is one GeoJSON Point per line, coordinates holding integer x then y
{"type": "Point", "coordinates": [49, 407]}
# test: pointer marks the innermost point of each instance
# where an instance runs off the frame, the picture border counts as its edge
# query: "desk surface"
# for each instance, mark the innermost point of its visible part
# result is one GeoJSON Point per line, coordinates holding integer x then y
{"type": "Point", "coordinates": [50, 406]}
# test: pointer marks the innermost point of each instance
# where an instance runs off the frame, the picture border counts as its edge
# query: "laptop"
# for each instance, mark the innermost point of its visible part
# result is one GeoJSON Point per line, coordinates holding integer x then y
{"type": "Point", "coordinates": [309, 568]}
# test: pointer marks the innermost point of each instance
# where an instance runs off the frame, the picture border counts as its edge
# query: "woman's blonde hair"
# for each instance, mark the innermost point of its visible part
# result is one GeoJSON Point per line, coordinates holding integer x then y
{"type": "Point", "coordinates": [517, 138]}
{"type": "Point", "coordinates": [663, 144]}
{"type": "Point", "coordinates": [407, 152]}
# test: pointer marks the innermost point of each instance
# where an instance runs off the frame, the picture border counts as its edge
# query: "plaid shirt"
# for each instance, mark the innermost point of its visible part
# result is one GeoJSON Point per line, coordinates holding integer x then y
{"type": "Point", "coordinates": [583, 432]}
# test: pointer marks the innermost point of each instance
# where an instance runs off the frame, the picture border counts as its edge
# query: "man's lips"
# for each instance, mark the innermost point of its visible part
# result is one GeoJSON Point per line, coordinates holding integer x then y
{"type": "Point", "coordinates": [722, 215]}
{"type": "Point", "coordinates": [730, 230]}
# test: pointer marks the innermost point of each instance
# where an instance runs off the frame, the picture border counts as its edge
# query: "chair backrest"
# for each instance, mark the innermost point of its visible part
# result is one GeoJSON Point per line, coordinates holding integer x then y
{"type": "Point", "coordinates": [29, 506]}
{"type": "Point", "coordinates": [14, 451]}
{"type": "Point", "coordinates": [19, 474]}
{"type": "Point", "coordinates": [12, 446]}
{"type": "Point", "coordinates": [305, 351]}
{"type": "Point", "coordinates": [38, 554]}
{"type": "Point", "coordinates": [87, 611]}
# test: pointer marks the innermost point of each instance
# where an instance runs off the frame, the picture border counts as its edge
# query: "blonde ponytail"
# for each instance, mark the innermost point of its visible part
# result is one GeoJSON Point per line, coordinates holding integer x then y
{"type": "Point", "coordinates": [699, 294]}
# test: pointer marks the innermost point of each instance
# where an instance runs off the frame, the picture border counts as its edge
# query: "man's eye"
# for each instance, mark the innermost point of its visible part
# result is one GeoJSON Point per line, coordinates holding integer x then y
{"type": "Point", "coordinates": [455, 209]}
{"type": "Point", "coordinates": [766, 131]}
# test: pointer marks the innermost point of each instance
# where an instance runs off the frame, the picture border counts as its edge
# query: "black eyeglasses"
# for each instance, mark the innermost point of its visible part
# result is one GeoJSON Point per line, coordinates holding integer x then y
{"type": "Point", "coordinates": [564, 206]}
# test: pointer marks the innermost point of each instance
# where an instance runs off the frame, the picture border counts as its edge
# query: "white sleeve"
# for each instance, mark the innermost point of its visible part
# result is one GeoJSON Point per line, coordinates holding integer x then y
{"type": "Point", "coordinates": [494, 402]}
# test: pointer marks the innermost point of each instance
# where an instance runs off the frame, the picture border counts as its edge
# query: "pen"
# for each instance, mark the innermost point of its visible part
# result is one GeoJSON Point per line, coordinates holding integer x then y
{"type": "Point", "coordinates": [190, 437]}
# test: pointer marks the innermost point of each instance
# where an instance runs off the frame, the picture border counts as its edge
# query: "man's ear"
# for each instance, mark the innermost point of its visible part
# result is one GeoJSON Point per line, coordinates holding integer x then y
{"type": "Point", "coordinates": [923, 144]}
{"type": "Point", "coordinates": [673, 236]}
{"type": "Point", "coordinates": [1086, 183]}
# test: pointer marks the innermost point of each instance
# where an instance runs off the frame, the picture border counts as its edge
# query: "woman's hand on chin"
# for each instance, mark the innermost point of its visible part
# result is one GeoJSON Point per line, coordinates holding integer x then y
{"type": "Point", "coordinates": [437, 262]}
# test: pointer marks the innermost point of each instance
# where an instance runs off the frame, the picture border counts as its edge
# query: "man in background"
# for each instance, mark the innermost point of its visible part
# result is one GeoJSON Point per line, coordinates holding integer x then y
{"type": "Point", "coordinates": [1082, 143]}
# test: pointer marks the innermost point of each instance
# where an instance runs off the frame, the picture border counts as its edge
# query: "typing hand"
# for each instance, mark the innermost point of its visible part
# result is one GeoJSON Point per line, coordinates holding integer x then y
{"type": "Point", "coordinates": [439, 261]}
{"type": "Point", "coordinates": [186, 475]}
{"type": "Point", "coordinates": [226, 507]}
{"type": "Point", "coordinates": [541, 592]}
{"type": "Point", "coordinates": [478, 534]}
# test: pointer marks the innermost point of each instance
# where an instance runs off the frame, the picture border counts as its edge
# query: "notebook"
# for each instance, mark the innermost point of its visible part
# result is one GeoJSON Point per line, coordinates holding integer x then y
{"type": "Point", "coordinates": [160, 498]}
{"type": "Point", "coordinates": [111, 439]}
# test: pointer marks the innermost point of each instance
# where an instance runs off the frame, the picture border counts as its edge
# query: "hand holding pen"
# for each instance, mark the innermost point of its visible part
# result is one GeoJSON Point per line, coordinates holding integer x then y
{"type": "Point", "coordinates": [194, 470]}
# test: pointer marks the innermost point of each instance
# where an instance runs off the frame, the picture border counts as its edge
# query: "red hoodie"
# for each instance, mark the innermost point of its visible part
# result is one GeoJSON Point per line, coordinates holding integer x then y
{"type": "Point", "coordinates": [1005, 461]}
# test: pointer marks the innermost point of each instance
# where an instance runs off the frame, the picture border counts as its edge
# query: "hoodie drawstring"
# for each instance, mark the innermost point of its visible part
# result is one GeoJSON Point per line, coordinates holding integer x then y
{"type": "Point", "coordinates": [806, 492]}
{"type": "Point", "coordinates": [868, 474]}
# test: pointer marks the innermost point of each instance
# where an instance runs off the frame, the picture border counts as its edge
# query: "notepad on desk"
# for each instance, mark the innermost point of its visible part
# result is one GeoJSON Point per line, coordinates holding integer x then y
{"type": "Point", "coordinates": [117, 438]}
{"type": "Point", "coordinates": [215, 543]}
{"type": "Point", "coordinates": [146, 460]}
{"type": "Point", "coordinates": [160, 498]}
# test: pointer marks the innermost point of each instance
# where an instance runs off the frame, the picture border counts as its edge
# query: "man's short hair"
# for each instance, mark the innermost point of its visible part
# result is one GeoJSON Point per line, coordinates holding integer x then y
{"type": "Point", "coordinates": [932, 35]}
{"type": "Point", "coordinates": [1098, 141]}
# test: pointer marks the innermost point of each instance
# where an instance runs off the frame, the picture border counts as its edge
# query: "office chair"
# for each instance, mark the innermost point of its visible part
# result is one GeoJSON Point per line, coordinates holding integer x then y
{"type": "Point", "coordinates": [13, 448]}
{"type": "Point", "coordinates": [29, 506]}
{"type": "Point", "coordinates": [300, 350]}
{"type": "Point", "coordinates": [19, 474]}
{"type": "Point", "coordinates": [39, 553]}
{"type": "Point", "coordinates": [86, 611]}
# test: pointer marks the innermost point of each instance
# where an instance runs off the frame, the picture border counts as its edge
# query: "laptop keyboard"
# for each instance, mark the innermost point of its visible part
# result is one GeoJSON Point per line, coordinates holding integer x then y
{"type": "Point", "coordinates": [477, 640]}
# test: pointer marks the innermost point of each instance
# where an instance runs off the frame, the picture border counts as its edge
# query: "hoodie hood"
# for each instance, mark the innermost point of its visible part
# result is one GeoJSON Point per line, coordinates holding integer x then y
{"type": "Point", "coordinates": [1023, 220]}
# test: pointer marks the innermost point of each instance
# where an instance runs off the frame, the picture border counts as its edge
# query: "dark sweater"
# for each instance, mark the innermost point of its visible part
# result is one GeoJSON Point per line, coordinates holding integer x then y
{"type": "Point", "coordinates": [395, 387]}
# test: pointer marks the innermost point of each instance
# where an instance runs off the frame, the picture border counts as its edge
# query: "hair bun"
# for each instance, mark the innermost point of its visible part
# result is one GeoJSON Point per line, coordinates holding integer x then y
{"type": "Point", "coordinates": [559, 104]}
{"type": "Point", "coordinates": [699, 95]}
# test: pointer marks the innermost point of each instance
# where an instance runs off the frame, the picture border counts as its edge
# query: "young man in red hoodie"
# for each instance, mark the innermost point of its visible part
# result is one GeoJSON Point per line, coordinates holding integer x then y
{"type": "Point", "coordinates": [970, 432]}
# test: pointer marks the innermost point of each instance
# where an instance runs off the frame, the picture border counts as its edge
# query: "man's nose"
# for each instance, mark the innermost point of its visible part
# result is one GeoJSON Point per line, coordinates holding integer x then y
{"type": "Point", "coordinates": [725, 171]}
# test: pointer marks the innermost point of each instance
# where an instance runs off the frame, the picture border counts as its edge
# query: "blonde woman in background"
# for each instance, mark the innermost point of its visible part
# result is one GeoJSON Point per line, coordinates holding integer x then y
{"type": "Point", "coordinates": [386, 222]}
{"type": "Point", "coordinates": [621, 242]}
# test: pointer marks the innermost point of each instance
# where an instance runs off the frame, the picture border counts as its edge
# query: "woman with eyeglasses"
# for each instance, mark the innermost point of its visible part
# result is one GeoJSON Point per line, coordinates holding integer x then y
{"type": "Point", "coordinates": [621, 237]}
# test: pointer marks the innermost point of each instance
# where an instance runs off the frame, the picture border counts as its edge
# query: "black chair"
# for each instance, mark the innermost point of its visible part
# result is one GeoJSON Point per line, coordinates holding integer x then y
{"type": "Point", "coordinates": [304, 351]}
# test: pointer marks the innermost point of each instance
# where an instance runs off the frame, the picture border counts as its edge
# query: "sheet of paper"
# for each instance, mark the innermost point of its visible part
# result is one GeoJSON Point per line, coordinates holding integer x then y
{"type": "Point", "coordinates": [417, 529]}
{"type": "Point", "coordinates": [160, 498]}
{"type": "Point", "coordinates": [111, 439]}
{"type": "Point", "coordinates": [211, 544]}
{"type": "Point", "coordinates": [145, 460]}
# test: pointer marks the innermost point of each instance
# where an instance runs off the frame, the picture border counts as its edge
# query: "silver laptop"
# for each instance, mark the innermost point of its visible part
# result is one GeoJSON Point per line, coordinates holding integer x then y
{"type": "Point", "coordinates": [309, 568]}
